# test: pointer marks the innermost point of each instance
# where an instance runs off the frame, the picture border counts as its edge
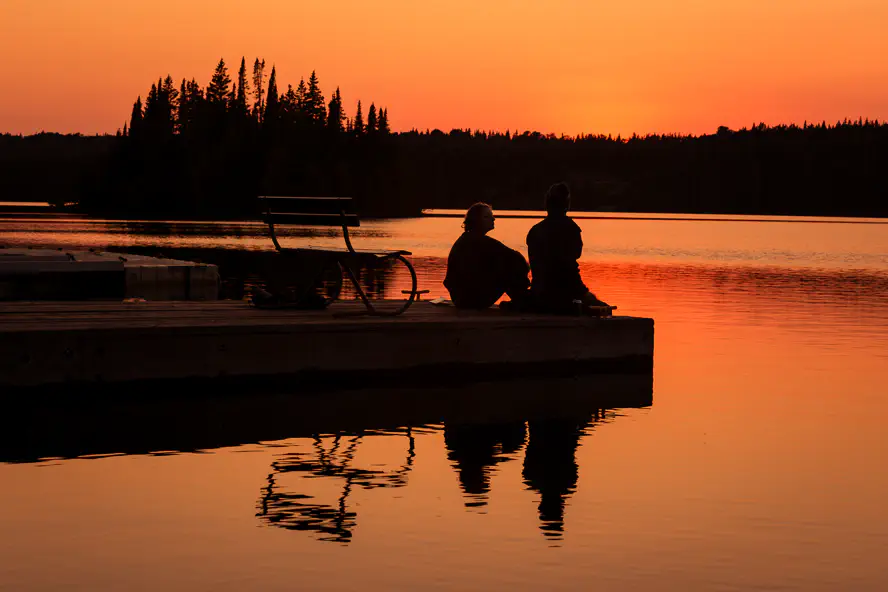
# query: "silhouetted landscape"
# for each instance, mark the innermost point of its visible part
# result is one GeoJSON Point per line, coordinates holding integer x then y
{"type": "Point", "coordinates": [205, 153]}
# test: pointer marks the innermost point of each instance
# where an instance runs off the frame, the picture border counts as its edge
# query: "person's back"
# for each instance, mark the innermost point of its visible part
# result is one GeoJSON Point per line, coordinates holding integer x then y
{"type": "Point", "coordinates": [480, 269]}
{"type": "Point", "coordinates": [554, 245]}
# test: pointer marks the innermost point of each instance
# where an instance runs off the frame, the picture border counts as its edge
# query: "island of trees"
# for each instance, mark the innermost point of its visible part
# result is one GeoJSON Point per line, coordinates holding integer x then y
{"type": "Point", "coordinates": [205, 153]}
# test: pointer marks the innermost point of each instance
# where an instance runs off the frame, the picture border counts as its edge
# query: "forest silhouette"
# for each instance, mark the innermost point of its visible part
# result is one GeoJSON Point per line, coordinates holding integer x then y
{"type": "Point", "coordinates": [206, 153]}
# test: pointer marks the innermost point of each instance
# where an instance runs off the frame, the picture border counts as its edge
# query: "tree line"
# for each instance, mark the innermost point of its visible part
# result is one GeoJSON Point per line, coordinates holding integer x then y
{"type": "Point", "coordinates": [206, 152]}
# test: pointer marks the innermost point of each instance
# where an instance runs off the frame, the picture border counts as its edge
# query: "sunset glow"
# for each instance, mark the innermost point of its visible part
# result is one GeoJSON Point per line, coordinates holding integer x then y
{"type": "Point", "coordinates": [564, 66]}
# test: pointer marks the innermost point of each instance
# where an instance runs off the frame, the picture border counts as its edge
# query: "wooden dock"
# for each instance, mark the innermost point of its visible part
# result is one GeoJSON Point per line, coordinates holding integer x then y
{"type": "Point", "coordinates": [75, 275]}
{"type": "Point", "coordinates": [137, 345]}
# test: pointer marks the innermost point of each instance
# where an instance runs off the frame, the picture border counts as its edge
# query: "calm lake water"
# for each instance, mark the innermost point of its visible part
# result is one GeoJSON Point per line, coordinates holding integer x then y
{"type": "Point", "coordinates": [760, 463]}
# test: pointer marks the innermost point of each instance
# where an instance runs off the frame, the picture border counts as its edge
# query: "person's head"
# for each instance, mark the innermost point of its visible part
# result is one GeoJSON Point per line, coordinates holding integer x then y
{"type": "Point", "coordinates": [479, 218]}
{"type": "Point", "coordinates": [558, 199]}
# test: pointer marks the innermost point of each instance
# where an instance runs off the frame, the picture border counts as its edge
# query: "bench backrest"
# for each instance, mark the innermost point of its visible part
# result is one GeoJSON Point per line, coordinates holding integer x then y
{"type": "Point", "coordinates": [308, 211]}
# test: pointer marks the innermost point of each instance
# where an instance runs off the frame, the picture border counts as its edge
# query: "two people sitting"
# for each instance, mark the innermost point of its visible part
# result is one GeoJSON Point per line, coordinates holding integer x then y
{"type": "Point", "coordinates": [480, 269]}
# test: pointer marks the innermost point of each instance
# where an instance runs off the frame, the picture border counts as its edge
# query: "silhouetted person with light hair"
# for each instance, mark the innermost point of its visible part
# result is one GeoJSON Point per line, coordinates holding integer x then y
{"type": "Point", "coordinates": [553, 247]}
{"type": "Point", "coordinates": [480, 269]}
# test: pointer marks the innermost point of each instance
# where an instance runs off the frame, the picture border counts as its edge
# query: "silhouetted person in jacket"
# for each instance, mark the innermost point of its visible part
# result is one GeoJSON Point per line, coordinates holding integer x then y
{"type": "Point", "coordinates": [553, 246]}
{"type": "Point", "coordinates": [480, 269]}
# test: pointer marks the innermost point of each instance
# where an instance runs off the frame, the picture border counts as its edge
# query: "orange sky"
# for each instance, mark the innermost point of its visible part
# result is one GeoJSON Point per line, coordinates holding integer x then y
{"type": "Point", "coordinates": [569, 66]}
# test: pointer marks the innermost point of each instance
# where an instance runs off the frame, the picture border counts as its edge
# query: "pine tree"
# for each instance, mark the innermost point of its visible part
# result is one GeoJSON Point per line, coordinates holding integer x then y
{"type": "Point", "coordinates": [170, 105]}
{"type": "Point", "coordinates": [335, 115]}
{"type": "Point", "coordinates": [218, 90]}
{"type": "Point", "coordinates": [240, 100]}
{"type": "Point", "coordinates": [301, 96]}
{"type": "Point", "coordinates": [184, 114]}
{"type": "Point", "coordinates": [150, 104]}
{"type": "Point", "coordinates": [358, 125]}
{"type": "Point", "coordinates": [272, 103]}
{"type": "Point", "coordinates": [372, 120]}
{"type": "Point", "coordinates": [383, 124]}
{"type": "Point", "coordinates": [289, 107]}
{"type": "Point", "coordinates": [315, 105]}
{"type": "Point", "coordinates": [190, 101]}
{"type": "Point", "coordinates": [136, 118]}
{"type": "Point", "coordinates": [258, 83]}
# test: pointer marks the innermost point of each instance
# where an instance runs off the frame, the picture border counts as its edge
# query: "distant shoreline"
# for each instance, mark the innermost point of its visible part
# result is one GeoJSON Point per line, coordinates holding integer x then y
{"type": "Point", "coordinates": [25, 211]}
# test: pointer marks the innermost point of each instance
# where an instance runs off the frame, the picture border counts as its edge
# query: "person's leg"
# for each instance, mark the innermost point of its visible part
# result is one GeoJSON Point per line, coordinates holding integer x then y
{"type": "Point", "coordinates": [590, 299]}
{"type": "Point", "coordinates": [515, 282]}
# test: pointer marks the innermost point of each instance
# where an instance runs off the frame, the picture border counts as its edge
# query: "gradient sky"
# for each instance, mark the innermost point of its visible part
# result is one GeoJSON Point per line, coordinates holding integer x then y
{"type": "Point", "coordinates": [562, 66]}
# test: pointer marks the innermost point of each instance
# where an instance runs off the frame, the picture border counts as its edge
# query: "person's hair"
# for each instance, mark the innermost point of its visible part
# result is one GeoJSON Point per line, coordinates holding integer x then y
{"type": "Point", "coordinates": [558, 198]}
{"type": "Point", "coordinates": [473, 216]}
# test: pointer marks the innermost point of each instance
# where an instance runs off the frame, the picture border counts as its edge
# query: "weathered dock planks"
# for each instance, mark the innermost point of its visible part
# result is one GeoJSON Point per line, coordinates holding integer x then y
{"type": "Point", "coordinates": [102, 343]}
{"type": "Point", "coordinates": [74, 275]}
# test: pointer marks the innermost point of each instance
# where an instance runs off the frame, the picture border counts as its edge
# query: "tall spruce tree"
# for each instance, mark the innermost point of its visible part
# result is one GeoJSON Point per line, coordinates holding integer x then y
{"type": "Point", "coordinates": [335, 114]}
{"type": "Point", "coordinates": [240, 106]}
{"type": "Point", "coordinates": [219, 88]}
{"type": "Point", "coordinates": [272, 102]}
{"type": "Point", "coordinates": [302, 96]}
{"type": "Point", "coordinates": [358, 124]}
{"type": "Point", "coordinates": [289, 108]}
{"type": "Point", "coordinates": [372, 120]}
{"type": "Point", "coordinates": [190, 101]}
{"type": "Point", "coordinates": [184, 115]}
{"type": "Point", "coordinates": [150, 104]}
{"type": "Point", "coordinates": [258, 89]}
{"type": "Point", "coordinates": [383, 124]}
{"type": "Point", "coordinates": [136, 118]}
{"type": "Point", "coordinates": [315, 105]}
{"type": "Point", "coordinates": [170, 105]}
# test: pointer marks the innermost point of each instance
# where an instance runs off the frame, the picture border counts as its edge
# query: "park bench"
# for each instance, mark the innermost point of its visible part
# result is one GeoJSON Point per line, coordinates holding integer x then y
{"type": "Point", "coordinates": [314, 264]}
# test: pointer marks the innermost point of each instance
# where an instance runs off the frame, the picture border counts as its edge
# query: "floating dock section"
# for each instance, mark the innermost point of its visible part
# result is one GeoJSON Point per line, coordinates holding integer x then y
{"type": "Point", "coordinates": [51, 274]}
{"type": "Point", "coordinates": [47, 344]}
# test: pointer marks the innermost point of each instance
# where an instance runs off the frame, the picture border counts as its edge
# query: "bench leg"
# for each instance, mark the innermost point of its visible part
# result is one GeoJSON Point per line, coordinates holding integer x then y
{"type": "Point", "coordinates": [369, 305]}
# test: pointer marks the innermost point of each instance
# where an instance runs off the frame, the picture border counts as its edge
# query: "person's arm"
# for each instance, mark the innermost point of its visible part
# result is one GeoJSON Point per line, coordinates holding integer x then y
{"type": "Point", "coordinates": [576, 242]}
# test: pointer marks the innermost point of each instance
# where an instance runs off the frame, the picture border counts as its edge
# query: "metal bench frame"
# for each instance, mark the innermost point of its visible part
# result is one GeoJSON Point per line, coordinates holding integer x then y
{"type": "Point", "coordinates": [346, 260]}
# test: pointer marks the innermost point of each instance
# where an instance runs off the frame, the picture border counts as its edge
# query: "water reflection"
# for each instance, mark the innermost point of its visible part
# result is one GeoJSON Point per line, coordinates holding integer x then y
{"type": "Point", "coordinates": [483, 424]}
{"type": "Point", "coordinates": [550, 467]}
{"type": "Point", "coordinates": [330, 457]}
{"type": "Point", "coordinates": [475, 450]}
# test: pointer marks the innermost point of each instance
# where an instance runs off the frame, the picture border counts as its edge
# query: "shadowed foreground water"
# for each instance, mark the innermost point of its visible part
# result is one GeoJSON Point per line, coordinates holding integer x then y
{"type": "Point", "coordinates": [754, 461]}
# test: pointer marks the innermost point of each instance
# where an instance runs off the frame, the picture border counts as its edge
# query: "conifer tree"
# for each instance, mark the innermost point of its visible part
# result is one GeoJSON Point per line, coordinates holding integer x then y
{"type": "Point", "coordinates": [335, 115]}
{"type": "Point", "coordinates": [136, 118]}
{"type": "Point", "coordinates": [383, 124]}
{"type": "Point", "coordinates": [170, 105]}
{"type": "Point", "coordinates": [218, 90]}
{"type": "Point", "coordinates": [240, 101]}
{"type": "Point", "coordinates": [289, 107]}
{"type": "Point", "coordinates": [181, 120]}
{"type": "Point", "coordinates": [315, 106]}
{"type": "Point", "coordinates": [358, 125]}
{"type": "Point", "coordinates": [190, 101]}
{"type": "Point", "coordinates": [302, 96]}
{"type": "Point", "coordinates": [371, 119]}
{"type": "Point", "coordinates": [150, 104]}
{"type": "Point", "coordinates": [258, 83]}
{"type": "Point", "coordinates": [272, 102]}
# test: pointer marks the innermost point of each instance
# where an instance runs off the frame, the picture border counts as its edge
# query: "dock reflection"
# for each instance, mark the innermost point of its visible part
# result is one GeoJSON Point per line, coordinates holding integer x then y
{"type": "Point", "coordinates": [483, 424]}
